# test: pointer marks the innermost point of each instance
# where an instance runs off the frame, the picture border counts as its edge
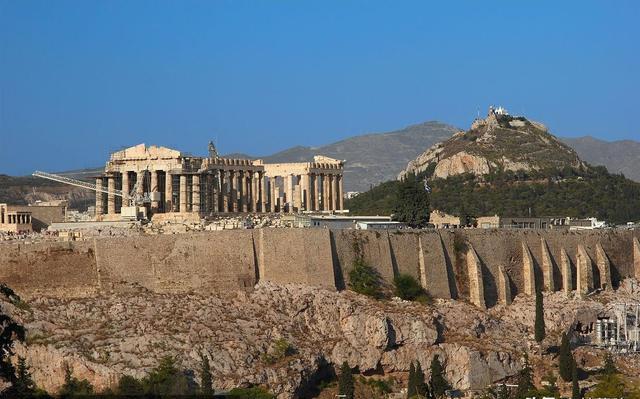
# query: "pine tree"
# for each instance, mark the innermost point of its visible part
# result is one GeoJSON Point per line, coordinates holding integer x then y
{"type": "Point", "coordinates": [345, 381]}
{"type": "Point", "coordinates": [575, 388]}
{"type": "Point", "coordinates": [565, 358]}
{"type": "Point", "coordinates": [206, 380]}
{"type": "Point", "coordinates": [438, 381]}
{"type": "Point", "coordinates": [609, 366]}
{"type": "Point", "coordinates": [525, 379]}
{"type": "Point", "coordinates": [23, 387]}
{"type": "Point", "coordinates": [412, 202]}
{"type": "Point", "coordinates": [421, 386]}
{"type": "Point", "coordinates": [411, 385]}
{"type": "Point", "coordinates": [539, 327]}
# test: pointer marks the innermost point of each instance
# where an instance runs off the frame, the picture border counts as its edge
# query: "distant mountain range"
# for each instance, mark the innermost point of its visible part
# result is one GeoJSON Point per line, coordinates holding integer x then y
{"type": "Point", "coordinates": [618, 156]}
{"type": "Point", "coordinates": [377, 157]}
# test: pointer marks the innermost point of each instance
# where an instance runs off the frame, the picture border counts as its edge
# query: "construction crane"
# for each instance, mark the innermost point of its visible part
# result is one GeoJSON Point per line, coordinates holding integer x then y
{"type": "Point", "coordinates": [134, 198]}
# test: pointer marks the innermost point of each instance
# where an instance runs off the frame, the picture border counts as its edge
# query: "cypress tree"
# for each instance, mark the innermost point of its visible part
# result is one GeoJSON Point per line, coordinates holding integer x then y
{"type": "Point", "coordinates": [575, 388]}
{"type": "Point", "coordinates": [411, 385]}
{"type": "Point", "coordinates": [421, 386]}
{"type": "Point", "coordinates": [206, 380]}
{"type": "Point", "coordinates": [565, 358]}
{"type": "Point", "coordinates": [539, 327]}
{"type": "Point", "coordinates": [438, 381]}
{"type": "Point", "coordinates": [345, 381]}
{"type": "Point", "coordinates": [525, 380]}
{"type": "Point", "coordinates": [24, 387]}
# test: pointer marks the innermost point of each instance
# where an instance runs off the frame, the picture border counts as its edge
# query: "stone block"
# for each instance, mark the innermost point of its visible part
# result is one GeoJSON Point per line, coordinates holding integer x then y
{"type": "Point", "coordinates": [565, 268]}
{"type": "Point", "coordinates": [504, 287]}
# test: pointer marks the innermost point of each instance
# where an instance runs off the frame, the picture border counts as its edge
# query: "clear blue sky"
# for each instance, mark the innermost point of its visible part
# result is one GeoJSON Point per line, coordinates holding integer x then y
{"type": "Point", "coordinates": [79, 79]}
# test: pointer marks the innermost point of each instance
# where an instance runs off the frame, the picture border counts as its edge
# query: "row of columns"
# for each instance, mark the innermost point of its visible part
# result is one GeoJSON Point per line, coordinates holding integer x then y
{"type": "Point", "coordinates": [222, 191]}
{"type": "Point", "coordinates": [20, 218]}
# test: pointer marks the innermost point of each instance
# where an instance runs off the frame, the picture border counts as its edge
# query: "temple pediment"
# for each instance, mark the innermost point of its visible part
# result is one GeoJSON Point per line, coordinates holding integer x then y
{"type": "Point", "coordinates": [141, 151]}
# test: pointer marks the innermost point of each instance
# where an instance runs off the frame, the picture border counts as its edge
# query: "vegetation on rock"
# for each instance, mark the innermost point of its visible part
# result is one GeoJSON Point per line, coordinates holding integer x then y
{"type": "Point", "coordinates": [345, 381]}
{"type": "Point", "coordinates": [539, 328]}
{"type": "Point", "coordinates": [566, 363]}
{"type": "Point", "coordinates": [409, 289]}
{"type": "Point", "coordinates": [364, 279]}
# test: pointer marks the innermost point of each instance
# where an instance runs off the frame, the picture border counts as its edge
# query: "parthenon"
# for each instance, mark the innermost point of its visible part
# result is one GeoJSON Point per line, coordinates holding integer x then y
{"type": "Point", "coordinates": [173, 182]}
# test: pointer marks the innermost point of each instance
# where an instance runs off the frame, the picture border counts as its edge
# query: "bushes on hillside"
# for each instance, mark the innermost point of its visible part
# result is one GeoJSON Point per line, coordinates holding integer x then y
{"type": "Point", "coordinates": [365, 280]}
{"type": "Point", "coordinates": [409, 289]}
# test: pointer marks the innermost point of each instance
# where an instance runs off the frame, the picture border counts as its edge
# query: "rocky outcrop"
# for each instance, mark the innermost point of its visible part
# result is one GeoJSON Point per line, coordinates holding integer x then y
{"type": "Point", "coordinates": [129, 330]}
{"type": "Point", "coordinates": [498, 142]}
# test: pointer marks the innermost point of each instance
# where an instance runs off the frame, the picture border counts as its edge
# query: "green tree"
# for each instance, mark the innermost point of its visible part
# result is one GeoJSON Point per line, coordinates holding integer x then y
{"type": "Point", "coordinates": [503, 392]}
{"type": "Point", "coordinates": [609, 366]}
{"type": "Point", "coordinates": [409, 289]}
{"type": "Point", "coordinates": [565, 358]}
{"type": "Point", "coordinates": [539, 328]}
{"type": "Point", "coordinates": [525, 380]}
{"type": "Point", "coordinates": [73, 387]}
{"type": "Point", "coordinates": [575, 388]}
{"type": "Point", "coordinates": [250, 393]}
{"type": "Point", "coordinates": [345, 381]}
{"type": "Point", "coordinates": [364, 279]}
{"type": "Point", "coordinates": [24, 387]}
{"type": "Point", "coordinates": [10, 330]}
{"type": "Point", "coordinates": [420, 384]}
{"type": "Point", "coordinates": [206, 379]}
{"type": "Point", "coordinates": [129, 387]}
{"type": "Point", "coordinates": [412, 203]}
{"type": "Point", "coordinates": [166, 380]}
{"type": "Point", "coordinates": [608, 386]}
{"type": "Point", "coordinates": [438, 382]}
{"type": "Point", "coordinates": [412, 390]}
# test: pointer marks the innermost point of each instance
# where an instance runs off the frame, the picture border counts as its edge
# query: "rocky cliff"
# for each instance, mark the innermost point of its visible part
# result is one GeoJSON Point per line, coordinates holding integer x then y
{"type": "Point", "coordinates": [129, 329]}
{"type": "Point", "coordinates": [499, 142]}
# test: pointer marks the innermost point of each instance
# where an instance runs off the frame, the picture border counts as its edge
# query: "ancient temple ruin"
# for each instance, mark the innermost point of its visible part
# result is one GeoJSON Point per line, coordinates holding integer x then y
{"type": "Point", "coordinates": [169, 181]}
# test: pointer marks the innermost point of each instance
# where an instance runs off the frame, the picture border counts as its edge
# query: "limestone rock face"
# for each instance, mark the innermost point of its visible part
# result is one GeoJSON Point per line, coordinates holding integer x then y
{"type": "Point", "coordinates": [128, 330]}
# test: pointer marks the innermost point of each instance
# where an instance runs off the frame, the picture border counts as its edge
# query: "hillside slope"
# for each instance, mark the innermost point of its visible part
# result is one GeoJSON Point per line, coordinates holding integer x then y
{"type": "Point", "coordinates": [500, 142]}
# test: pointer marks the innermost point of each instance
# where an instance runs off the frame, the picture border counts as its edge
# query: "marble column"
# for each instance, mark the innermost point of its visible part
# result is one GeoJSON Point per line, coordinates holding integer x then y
{"type": "Point", "coordinates": [140, 183]}
{"type": "Point", "coordinates": [316, 192]}
{"type": "Point", "coordinates": [111, 198]}
{"type": "Point", "coordinates": [305, 197]}
{"type": "Point", "coordinates": [289, 192]}
{"type": "Point", "coordinates": [168, 192]}
{"type": "Point", "coordinates": [153, 190]}
{"type": "Point", "coordinates": [195, 193]}
{"type": "Point", "coordinates": [244, 199]}
{"type": "Point", "coordinates": [99, 204]}
{"type": "Point", "coordinates": [263, 192]}
{"type": "Point", "coordinates": [325, 192]}
{"type": "Point", "coordinates": [274, 194]}
{"type": "Point", "coordinates": [334, 192]}
{"type": "Point", "coordinates": [183, 193]}
{"type": "Point", "coordinates": [340, 192]}
{"type": "Point", "coordinates": [215, 189]}
{"type": "Point", "coordinates": [125, 188]}
{"type": "Point", "coordinates": [224, 188]}
{"type": "Point", "coordinates": [255, 198]}
{"type": "Point", "coordinates": [233, 180]}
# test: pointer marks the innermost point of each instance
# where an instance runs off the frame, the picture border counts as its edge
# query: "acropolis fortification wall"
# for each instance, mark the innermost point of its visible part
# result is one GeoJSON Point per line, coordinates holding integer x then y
{"type": "Point", "coordinates": [449, 264]}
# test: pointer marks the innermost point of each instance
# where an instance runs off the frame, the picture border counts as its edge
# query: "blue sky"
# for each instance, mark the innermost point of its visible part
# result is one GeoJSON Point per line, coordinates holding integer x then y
{"type": "Point", "coordinates": [79, 79]}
